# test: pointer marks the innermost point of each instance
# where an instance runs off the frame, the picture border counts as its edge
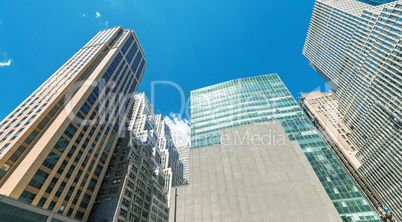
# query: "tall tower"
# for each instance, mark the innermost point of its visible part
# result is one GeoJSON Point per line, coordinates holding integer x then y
{"type": "Point", "coordinates": [259, 99]}
{"type": "Point", "coordinates": [55, 146]}
{"type": "Point", "coordinates": [322, 110]}
{"type": "Point", "coordinates": [152, 129]}
{"type": "Point", "coordinates": [357, 47]}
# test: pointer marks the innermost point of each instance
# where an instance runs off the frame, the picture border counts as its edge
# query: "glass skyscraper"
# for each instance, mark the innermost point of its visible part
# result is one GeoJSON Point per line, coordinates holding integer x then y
{"type": "Point", "coordinates": [264, 98]}
{"type": "Point", "coordinates": [356, 46]}
{"type": "Point", "coordinates": [56, 145]}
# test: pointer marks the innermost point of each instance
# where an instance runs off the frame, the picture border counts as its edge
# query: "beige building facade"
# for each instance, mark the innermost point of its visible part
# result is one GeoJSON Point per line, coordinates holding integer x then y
{"type": "Point", "coordinates": [322, 109]}
{"type": "Point", "coordinates": [55, 146]}
{"type": "Point", "coordinates": [266, 178]}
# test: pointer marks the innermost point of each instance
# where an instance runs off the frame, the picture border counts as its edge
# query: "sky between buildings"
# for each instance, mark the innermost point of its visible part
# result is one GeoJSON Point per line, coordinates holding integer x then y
{"type": "Point", "coordinates": [189, 44]}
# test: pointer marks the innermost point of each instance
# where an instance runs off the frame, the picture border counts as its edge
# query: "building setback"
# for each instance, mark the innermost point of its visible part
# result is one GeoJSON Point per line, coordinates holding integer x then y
{"type": "Point", "coordinates": [356, 46]}
{"type": "Point", "coordinates": [133, 185]}
{"type": "Point", "coordinates": [170, 161]}
{"type": "Point", "coordinates": [264, 98]}
{"type": "Point", "coordinates": [144, 166]}
{"type": "Point", "coordinates": [55, 146]}
{"type": "Point", "coordinates": [151, 128]}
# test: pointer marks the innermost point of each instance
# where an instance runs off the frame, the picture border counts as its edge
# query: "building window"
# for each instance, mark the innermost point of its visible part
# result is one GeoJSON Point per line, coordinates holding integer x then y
{"type": "Point", "coordinates": [116, 181]}
{"type": "Point", "coordinates": [41, 202]}
{"type": "Point", "coordinates": [113, 190]}
{"type": "Point", "coordinates": [51, 205]}
{"type": "Point", "coordinates": [27, 196]}
{"type": "Point", "coordinates": [79, 215]}
{"type": "Point", "coordinates": [123, 213]}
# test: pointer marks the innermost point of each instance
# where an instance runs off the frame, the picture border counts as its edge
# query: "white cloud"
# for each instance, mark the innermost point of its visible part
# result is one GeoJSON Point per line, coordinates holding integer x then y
{"type": "Point", "coordinates": [5, 63]}
{"type": "Point", "coordinates": [106, 24]}
{"type": "Point", "coordinates": [83, 14]}
{"type": "Point", "coordinates": [181, 130]}
{"type": "Point", "coordinates": [98, 15]}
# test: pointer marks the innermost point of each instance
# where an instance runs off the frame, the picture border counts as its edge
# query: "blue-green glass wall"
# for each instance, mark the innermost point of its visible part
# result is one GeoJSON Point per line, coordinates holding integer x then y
{"type": "Point", "coordinates": [264, 98]}
{"type": "Point", "coordinates": [376, 2]}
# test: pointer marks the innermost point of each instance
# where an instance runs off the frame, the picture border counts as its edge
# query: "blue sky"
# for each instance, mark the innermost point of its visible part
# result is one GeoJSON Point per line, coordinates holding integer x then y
{"type": "Point", "coordinates": [191, 43]}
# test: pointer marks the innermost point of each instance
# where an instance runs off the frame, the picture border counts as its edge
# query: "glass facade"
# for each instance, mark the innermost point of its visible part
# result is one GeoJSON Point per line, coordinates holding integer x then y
{"type": "Point", "coordinates": [376, 2]}
{"type": "Point", "coordinates": [11, 213]}
{"type": "Point", "coordinates": [264, 98]}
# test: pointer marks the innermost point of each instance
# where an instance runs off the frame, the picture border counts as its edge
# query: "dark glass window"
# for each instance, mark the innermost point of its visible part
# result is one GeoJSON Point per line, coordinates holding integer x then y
{"type": "Point", "coordinates": [38, 179]}
{"type": "Point", "coordinates": [79, 215]}
{"type": "Point", "coordinates": [31, 137]}
{"type": "Point", "coordinates": [61, 144]}
{"type": "Point", "coordinates": [51, 160]}
{"type": "Point", "coordinates": [71, 151]}
{"type": "Point", "coordinates": [137, 75]}
{"type": "Point", "coordinates": [52, 184]}
{"type": "Point", "coordinates": [62, 167]}
{"type": "Point", "coordinates": [18, 153]}
{"type": "Point", "coordinates": [51, 205]}
{"type": "Point", "coordinates": [41, 202]}
{"type": "Point", "coordinates": [27, 196]}
{"type": "Point", "coordinates": [70, 131]}
{"type": "Point", "coordinates": [136, 62]}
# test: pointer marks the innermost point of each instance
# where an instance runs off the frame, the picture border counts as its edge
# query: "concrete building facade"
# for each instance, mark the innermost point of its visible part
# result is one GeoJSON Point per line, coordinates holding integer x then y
{"type": "Point", "coordinates": [267, 178]}
{"type": "Point", "coordinates": [356, 46]}
{"type": "Point", "coordinates": [55, 146]}
{"type": "Point", "coordinates": [265, 98]}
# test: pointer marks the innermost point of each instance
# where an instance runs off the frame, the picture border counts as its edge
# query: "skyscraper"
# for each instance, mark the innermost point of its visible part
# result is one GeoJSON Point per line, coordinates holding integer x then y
{"type": "Point", "coordinates": [265, 98]}
{"type": "Point", "coordinates": [152, 129]}
{"type": "Point", "coordinates": [132, 189]}
{"type": "Point", "coordinates": [322, 109]}
{"type": "Point", "coordinates": [139, 179]}
{"type": "Point", "coordinates": [55, 146]}
{"type": "Point", "coordinates": [170, 161]}
{"type": "Point", "coordinates": [356, 46]}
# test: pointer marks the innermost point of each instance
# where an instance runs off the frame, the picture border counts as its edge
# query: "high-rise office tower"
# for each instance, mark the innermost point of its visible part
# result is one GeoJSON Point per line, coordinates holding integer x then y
{"type": "Point", "coordinates": [265, 98]}
{"type": "Point", "coordinates": [132, 189]}
{"type": "Point", "coordinates": [137, 183]}
{"type": "Point", "coordinates": [356, 46]}
{"type": "Point", "coordinates": [152, 129]}
{"type": "Point", "coordinates": [56, 145]}
{"type": "Point", "coordinates": [322, 109]}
